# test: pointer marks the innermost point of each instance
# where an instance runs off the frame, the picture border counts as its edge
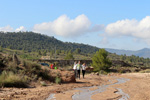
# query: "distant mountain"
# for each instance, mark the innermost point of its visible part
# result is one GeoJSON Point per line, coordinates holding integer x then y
{"type": "Point", "coordinates": [145, 53]}
{"type": "Point", "coordinates": [30, 41]}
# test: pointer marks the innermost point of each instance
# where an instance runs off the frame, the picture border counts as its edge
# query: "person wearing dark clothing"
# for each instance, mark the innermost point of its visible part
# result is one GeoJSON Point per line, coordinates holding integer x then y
{"type": "Point", "coordinates": [78, 69]}
{"type": "Point", "coordinates": [83, 69]}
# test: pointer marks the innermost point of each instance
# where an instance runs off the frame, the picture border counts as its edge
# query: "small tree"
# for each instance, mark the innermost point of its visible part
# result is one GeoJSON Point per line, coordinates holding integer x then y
{"type": "Point", "coordinates": [44, 53]}
{"type": "Point", "coordinates": [39, 52]}
{"type": "Point", "coordinates": [51, 53]}
{"type": "Point", "coordinates": [1, 49]}
{"type": "Point", "coordinates": [78, 51]}
{"type": "Point", "coordinates": [57, 52]}
{"type": "Point", "coordinates": [69, 56]}
{"type": "Point", "coordinates": [100, 60]}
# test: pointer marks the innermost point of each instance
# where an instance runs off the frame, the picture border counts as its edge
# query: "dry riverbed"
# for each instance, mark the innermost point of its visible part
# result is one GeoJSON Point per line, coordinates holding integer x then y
{"type": "Point", "coordinates": [136, 88]}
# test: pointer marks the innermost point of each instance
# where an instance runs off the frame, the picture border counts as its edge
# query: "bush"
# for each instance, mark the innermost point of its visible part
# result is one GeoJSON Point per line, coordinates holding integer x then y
{"type": "Point", "coordinates": [44, 74]}
{"type": "Point", "coordinates": [103, 72]}
{"type": "Point", "coordinates": [9, 79]}
{"type": "Point", "coordinates": [35, 71]}
{"type": "Point", "coordinates": [43, 83]}
{"type": "Point", "coordinates": [69, 56]}
{"type": "Point", "coordinates": [30, 65]}
{"type": "Point", "coordinates": [2, 64]}
{"type": "Point", "coordinates": [57, 80]}
{"type": "Point", "coordinates": [145, 71]}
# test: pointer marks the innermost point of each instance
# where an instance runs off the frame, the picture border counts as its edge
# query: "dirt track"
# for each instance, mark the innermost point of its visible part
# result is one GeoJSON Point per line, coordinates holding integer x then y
{"type": "Point", "coordinates": [138, 88]}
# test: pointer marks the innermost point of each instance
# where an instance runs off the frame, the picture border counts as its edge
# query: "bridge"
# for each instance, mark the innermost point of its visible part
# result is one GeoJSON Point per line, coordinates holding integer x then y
{"type": "Point", "coordinates": [64, 62]}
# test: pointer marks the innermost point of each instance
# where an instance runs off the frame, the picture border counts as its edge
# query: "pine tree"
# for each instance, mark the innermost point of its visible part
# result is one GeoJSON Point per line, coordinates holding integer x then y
{"type": "Point", "coordinates": [100, 60]}
{"type": "Point", "coordinates": [69, 56]}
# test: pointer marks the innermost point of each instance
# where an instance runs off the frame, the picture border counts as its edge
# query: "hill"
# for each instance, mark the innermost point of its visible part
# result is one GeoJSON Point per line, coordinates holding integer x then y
{"type": "Point", "coordinates": [30, 41]}
{"type": "Point", "coordinates": [145, 53]}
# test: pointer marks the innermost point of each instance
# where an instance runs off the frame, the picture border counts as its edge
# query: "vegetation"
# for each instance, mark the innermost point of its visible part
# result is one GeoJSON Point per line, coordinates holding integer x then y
{"type": "Point", "coordinates": [69, 56]}
{"type": "Point", "coordinates": [145, 71]}
{"type": "Point", "coordinates": [57, 80]}
{"type": "Point", "coordinates": [43, 83]}
{"type": "Point", "coordinates": [132, 61]}
{"type": "Point", "coordinates": [31, 42]}
{"type": "Point", "coordinates": [9, 79]}
{"type": "Point", "coordinates": [15, 72]}
{"type": "Point", "coordinates": [100, 61]}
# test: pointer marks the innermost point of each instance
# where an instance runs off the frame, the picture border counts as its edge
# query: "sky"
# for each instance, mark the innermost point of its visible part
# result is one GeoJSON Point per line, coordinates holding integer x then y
{"type": "Point", "coordinates": [117, 24]}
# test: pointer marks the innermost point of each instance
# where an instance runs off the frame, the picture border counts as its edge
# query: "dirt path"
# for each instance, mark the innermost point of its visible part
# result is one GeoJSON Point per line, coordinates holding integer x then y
{"type": "Point", "coordinates": [41, 93]}
{"type": "Point", "coordinates": [138, 88]}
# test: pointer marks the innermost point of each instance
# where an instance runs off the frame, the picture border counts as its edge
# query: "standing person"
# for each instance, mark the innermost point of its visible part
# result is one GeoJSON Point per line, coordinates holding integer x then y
{"type": "Point", "coordinates": [83, 69]}
{"type": "Point", "coordinates": [52, 66]}
{"type": "Point", "coordinates": [75, 69]}
{"type": "Point", "coordinates": [78, 68]}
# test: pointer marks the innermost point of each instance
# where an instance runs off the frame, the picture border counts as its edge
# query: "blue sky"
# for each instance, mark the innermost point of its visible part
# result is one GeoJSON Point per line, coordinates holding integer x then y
{"type": "Point", "coordinates": [118, 24]}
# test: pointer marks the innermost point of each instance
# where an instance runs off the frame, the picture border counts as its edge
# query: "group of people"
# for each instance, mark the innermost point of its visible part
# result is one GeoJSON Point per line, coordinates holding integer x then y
{"type": "Point", "coordinates": [52, 66]}
{"type": "Point", "coordinates": [77, 67]}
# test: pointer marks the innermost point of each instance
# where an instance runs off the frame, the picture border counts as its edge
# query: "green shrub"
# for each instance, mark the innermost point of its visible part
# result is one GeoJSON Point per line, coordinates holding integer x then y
{"type": "Point", "coordinates": [9, 79]}
{"type": "Point", "coordinates": [69, 56]}
{"type": "Point", "coordinates": [57, 80]}
{"type": "Point", "coordinates": [30, 65]}
{"type": "Point", "coordinates": [145, 71]}
{"type": "Point", "coordinates": [43, 83]}
{"type": "Point", "coordinates": [121, 71]}
{"type": "Point", "coordinates": [103, 72]}
{"type": "Point", "coordinates": [12, 67]}
{"type": "Point", "coordinates": [2, 64]}
{"type": "Point", "coordinates": [44, 74]}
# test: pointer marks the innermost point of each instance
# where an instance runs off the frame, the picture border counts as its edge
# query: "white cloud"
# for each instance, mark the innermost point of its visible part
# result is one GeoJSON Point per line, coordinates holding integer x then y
{"type": "Point", "coordinates": [134, 28]}
{"type": "Point", "coordinates": [66, 27]}
{"type": "Point", "coordinates": [21, 28]}
{"type": "Point", "coordinates": [6, 29]}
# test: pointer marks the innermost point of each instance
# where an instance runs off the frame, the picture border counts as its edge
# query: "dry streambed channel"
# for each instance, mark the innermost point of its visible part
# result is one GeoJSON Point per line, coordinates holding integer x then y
{"type": "Point", "coordinates": [85, 93]}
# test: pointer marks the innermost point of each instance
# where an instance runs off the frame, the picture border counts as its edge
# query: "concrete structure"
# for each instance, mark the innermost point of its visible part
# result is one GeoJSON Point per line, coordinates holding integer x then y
{"type": "Point", "coordinates": [64, 62]}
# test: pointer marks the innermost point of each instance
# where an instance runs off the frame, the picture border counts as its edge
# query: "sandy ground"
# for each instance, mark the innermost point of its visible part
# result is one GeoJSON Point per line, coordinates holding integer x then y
{"type": "Point", "coordinates": [138, 88]}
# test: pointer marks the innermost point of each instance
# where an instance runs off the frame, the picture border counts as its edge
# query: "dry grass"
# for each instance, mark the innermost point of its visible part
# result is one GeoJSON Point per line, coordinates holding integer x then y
{"type": "Point", "coordinates": [9, 79]}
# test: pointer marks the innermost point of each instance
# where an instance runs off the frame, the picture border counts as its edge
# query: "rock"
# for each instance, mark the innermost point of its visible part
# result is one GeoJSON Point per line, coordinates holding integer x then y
{"type": "Point", "coordinates": [58, 91]}
{"type": "Point", "coordinates": [43, 83]}
{"type": "Point", "coordinates": [8, 96]}
{"type": "Point", "coordinates": [97, 73]}
{"type": "Point", "coordinates": [92, 73]}
{"type": "Point", "coordinates": [66, 76]}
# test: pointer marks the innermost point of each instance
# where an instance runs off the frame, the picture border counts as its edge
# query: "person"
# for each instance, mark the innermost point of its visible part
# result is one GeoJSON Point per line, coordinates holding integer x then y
{"type": "Point", "coordinates": [52, 66]}
{"type": "Point", "coordinates": [75, 69]}
{"type": "Point", "coordinates": [55, 67]}
{"type": "Point", "coordinates": [78, 68]}
{"type": "Point", "coordinates": [83, 69]}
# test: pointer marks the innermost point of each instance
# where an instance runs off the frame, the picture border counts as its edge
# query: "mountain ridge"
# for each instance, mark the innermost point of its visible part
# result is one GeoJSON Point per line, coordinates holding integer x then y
{"type": "Point", "coordinates": [145, 52]}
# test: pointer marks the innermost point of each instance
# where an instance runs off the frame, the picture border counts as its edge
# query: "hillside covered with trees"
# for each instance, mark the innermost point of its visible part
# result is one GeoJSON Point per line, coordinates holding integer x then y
{"type": "Point", "coordinates": [30, 41]}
